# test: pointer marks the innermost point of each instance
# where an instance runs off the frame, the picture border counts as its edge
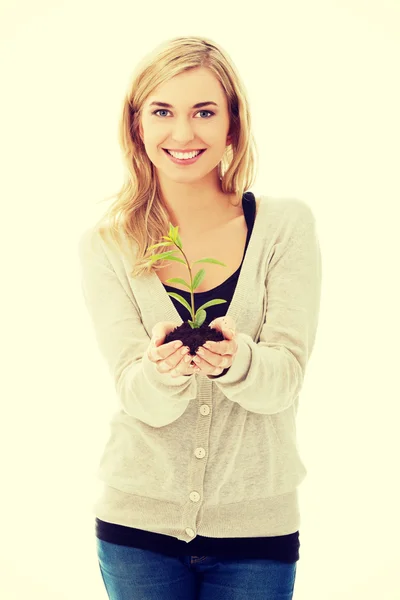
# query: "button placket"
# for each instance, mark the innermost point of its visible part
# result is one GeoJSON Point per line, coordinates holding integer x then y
{"type": "Point", "coordinates": [199, 453]}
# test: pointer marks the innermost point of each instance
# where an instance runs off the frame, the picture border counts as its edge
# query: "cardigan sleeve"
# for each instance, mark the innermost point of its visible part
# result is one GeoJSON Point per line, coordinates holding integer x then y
{"type": "Point", "coordinates": [155, 398]}
{"type": "Point", "coordinates": [266, 376]}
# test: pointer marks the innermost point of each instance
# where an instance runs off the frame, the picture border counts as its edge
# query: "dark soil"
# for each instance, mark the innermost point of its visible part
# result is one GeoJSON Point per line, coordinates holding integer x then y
{"type": "Point", "coordinates": [194, 338]}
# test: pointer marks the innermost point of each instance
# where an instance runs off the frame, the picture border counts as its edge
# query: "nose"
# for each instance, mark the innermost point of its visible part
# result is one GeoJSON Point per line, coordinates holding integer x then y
{"type": "Point", "coordinates": [182, 132]}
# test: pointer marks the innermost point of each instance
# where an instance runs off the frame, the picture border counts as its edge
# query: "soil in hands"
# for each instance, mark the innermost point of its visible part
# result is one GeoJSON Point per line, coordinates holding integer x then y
{"type": "Point", "coordinates": [194, 338]}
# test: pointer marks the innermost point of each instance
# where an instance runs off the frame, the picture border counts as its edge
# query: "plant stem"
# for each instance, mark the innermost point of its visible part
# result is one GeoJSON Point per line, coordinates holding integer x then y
{"type": "Point", "coordinates": [191, 280]}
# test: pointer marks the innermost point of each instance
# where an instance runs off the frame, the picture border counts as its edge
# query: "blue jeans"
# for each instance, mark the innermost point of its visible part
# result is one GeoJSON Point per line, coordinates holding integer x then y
{"type": "Point", "coordinates": [135, 574]}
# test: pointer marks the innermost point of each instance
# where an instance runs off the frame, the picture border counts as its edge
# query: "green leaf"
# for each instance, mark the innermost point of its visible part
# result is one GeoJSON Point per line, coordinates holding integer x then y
{"type": "Point", "coordinates": [178, 280]}
{"type": "Point", "coordinates": [210, 260]}
{"type": "Point", "coordinates": [210, 303]}
{"type": "Point", "coordinates": [192, 324]}
{"type": "Point", "coordinates": [198, 279]}
{"type": "Point", "coordinates": [177, 259]}
{"type": "Point", "coordinates": [165, 237]}
{"type": "Point", "coordinates": [181, 300]}
{"type": "Point", "coordinates": [174, 236]}
{"type": "Point", "coordinates": [159, 244]}
{"type": "Point", "coordinates": [178, 242]}
{"type": "Point", "coordinates": [200, 317]}
{"type": "Point", "coordinates": [166, 256]}
{"type": "Point", "coordinates": [173, 232]}
{"type": "Point", "coordinates": [162, 255]}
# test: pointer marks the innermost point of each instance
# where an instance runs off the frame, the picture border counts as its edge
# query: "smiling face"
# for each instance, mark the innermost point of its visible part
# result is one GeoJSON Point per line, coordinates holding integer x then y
{"type": "Point", "coordinates": [181, 126]}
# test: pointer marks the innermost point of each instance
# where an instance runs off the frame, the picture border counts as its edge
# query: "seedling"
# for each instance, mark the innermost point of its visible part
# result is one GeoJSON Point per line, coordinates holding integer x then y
{"type": "Point", "coordinates": [197, 317]}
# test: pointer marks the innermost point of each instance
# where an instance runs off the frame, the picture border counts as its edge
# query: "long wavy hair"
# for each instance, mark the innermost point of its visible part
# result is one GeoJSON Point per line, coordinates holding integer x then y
{"type": "Point", "coordinates": [138, 215]}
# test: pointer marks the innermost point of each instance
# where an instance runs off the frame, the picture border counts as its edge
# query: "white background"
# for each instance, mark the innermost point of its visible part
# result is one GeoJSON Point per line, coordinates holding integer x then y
{"type": "Point", "coordinates": [323, 83]}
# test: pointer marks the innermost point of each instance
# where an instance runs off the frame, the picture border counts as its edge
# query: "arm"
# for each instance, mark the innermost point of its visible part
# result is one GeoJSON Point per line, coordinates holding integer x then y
{"type": "Point", "coordinates": [266, 377]}
{"type": "Point", "coordinates": [155, 398]}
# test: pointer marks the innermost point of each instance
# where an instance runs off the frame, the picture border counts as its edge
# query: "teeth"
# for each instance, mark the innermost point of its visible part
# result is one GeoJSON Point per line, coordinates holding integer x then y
{"type": "Point", "coordinates": [184, 156]}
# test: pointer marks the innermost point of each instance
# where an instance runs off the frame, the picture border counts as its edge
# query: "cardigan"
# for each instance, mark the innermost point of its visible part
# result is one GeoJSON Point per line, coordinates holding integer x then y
{"type": "Point", "coordinates": [205, 465]}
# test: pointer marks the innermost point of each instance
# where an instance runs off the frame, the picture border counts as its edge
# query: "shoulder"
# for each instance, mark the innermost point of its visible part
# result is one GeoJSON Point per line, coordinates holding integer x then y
{"type": "Point", "coordinates": [89, 241]}
{"type": "Point", "coordinates": [287, 213]}
{"type": "Point", "coordinates": [98, 239]}
{"type": "Point", "coordinates": [286, 220]}
{"type": "Point", "coordinates": [288, 208]}
{"type": "Point", "coordinates": [94, 242]}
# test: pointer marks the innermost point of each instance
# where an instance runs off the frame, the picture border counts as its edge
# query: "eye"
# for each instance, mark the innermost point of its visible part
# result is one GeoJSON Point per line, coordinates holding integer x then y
{"type": "Point", "coordinates": [200, 111]}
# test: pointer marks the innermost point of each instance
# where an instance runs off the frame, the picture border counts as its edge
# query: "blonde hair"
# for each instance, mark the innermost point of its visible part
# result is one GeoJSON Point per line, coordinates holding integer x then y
{"type": "Point", "coordinates": [138, 214]}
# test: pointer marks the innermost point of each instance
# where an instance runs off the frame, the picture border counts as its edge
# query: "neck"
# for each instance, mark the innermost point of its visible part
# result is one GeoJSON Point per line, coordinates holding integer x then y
{"type": "Point", "coordinates": [193, 206]}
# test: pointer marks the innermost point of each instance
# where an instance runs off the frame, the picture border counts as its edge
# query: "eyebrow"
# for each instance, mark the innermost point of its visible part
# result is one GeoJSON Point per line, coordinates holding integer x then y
{"type": "Point", "coordinates": [198, 105]}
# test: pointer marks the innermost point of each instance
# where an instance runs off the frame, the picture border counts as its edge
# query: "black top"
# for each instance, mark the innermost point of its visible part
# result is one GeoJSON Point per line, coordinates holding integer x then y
{"type": "Point", "coordinates": [284, 548]}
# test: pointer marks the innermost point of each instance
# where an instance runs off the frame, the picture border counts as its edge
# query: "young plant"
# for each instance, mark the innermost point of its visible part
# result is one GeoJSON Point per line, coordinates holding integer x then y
{"type": "Point", "coordinates": [197, 316]}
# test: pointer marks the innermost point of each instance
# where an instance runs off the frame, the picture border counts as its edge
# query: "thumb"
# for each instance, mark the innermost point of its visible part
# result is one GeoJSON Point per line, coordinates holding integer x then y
{"type": "Point", "coordinates": [224, 325]}
{"type": "Point", "coordinates": [161, 330]}
{"type": "Point", "coordinates": [216, 324]}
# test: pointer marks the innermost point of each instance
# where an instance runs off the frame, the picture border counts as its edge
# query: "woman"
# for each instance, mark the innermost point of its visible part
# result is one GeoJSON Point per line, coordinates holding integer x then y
{"type": "Point", "coordinates": [201, 468]}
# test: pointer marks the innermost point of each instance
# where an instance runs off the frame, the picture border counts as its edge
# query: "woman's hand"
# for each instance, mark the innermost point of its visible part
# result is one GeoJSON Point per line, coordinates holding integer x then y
{"type": "Point", "coordinates": [167, 357]}
{"type": "Point", "coordinates": [214, 357]}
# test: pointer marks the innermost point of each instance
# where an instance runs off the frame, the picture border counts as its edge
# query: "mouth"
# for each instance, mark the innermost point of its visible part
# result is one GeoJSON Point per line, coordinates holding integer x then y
{"type": "Point", "coordinates": [184, 161]}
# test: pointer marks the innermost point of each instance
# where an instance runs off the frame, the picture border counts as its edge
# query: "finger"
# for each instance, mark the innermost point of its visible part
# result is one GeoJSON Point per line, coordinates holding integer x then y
{"type": "Point", "coordinates": [229, 333]}
{"type": "Point", "coordinates": [173, 360]}
{"type": "Point", "coordinates": [184, 367]}
{"type": "Point", "coordinates": [157, 352]}
{"type": "Point", "coordinates": [229, 323]}
{"type": "Point", "coordinates": [152, 352]}
{"type": "Point", "coordinates": [211, 369]}
{"type": "Point", "coordinates": [163, 328]}
{"type": "Point", "coordinates": [212, 360]}
{"type": "Point", "coordinates": [222, 348]}
{"type": "Point", "coordinates": [223, 323]}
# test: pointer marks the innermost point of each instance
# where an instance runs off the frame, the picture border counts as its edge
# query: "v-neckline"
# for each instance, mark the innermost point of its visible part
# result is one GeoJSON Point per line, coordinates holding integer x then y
{"type": "Point", "coordinates": [239, 297]}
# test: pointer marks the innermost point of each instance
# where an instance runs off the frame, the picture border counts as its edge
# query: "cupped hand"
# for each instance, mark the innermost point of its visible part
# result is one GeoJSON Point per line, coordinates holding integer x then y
{"type": "Point", "coordinates": [214, 357]}
{"type": "Point", "coordinates": [173, 358]}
